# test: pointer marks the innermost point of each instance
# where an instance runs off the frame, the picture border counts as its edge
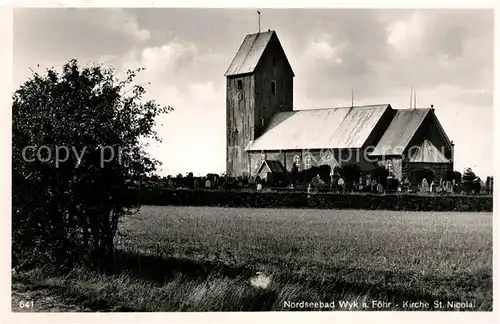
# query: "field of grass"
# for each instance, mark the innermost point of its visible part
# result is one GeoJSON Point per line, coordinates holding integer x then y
{"type": "Point", "coordinates": [199, 258]}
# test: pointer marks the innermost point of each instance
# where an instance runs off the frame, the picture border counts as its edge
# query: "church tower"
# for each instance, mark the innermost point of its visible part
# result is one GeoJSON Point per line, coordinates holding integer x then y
{"type": "Point", "coordinates": [259, 83]}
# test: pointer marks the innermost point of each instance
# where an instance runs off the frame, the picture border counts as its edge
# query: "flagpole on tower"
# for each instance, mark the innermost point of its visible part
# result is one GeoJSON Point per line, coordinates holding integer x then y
{"type": "Point", "coordinates": [258, 12]}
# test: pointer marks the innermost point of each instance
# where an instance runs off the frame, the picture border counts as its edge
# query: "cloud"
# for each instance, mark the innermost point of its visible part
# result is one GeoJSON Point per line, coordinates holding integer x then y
{"type": "Point", "coordinates": [131, 27]}
{"type": "Point", "coordinates": [404, 35]}
{"type": "Point", "coordinates": [380, 53]}
{"type": "Point", "coordinates": [195, 132]}
{"type": "Point", "coordinates": [115, 20]}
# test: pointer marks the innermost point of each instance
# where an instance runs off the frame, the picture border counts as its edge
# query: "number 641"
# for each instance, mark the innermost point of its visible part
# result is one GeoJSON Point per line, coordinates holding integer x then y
{"type": "Point", "coordinates": [26, 304]}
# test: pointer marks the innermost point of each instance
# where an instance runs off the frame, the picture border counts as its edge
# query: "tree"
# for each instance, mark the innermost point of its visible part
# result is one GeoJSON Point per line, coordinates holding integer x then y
{"type": "Point", "coordinates": [350, 173]}
{"type": "Point", "coordinates": [380, 174]}
{"type": "Point", "coordinates": [457, 176]}
{"type": "Point", "coordinates": [453, 175]}
{"type": "Point", "coordinates": [489, 184]}
{"type": "Point", "coordinates": [324, 173]}
{"type": "Point", "coordinates": [307, 175]}
{"type": "Point", "coordinates": [470, 182]}
{"type": "Point", "coordinates": [189, 180]}
{"type": "Point", "coordinates": [76, 152]}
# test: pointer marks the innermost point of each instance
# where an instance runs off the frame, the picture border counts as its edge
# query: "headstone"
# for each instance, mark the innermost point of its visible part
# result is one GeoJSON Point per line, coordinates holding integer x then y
{"type": "Point", "coordinates": [425, 185]}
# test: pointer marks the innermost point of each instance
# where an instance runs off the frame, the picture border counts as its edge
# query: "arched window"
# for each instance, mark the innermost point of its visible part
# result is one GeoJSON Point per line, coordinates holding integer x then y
{"type": "Point", "coordinates": [273, 87]}
{"type": "Point", "coordinates": [296, 160]}
{"type": "Point", "coordinates": [240, 84]}
{"type": "Point", "coordinates": [308, 163]}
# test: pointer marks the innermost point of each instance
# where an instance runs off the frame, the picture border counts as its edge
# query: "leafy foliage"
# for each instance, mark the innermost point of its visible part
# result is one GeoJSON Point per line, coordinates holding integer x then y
{"type": "Point", "coordinates": [69, 196]}
{"type": "Point", "coordinates": [307, 175]}
{"type": "Point", "coordinates": [350, 173]}
{"type": "Point", "coordinates": [453, 175]}
{"type": "Point", "coordinates": [324, 172]}
{"type": "Point", "coordinates": [470, 182]}
{"type": "Point", "coordinates": [294, 174]}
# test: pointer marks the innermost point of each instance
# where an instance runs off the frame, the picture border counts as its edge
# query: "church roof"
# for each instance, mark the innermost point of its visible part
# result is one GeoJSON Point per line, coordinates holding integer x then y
{"type": "Point", "coordinates": [400, 131]}
{"type": "Point", "coordinates": [346, 127]}
{"type": "Point", "coordinates": [427, 153]}
{"type": "Point", "coordinates": [251, 50]}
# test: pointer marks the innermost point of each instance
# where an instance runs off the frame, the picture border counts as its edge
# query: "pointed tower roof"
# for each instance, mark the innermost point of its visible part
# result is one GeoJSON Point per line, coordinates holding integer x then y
{"type": "Point", "coordinates": [250, 52]}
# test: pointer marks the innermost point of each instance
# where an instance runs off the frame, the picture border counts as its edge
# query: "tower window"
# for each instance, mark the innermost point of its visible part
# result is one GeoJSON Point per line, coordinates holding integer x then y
{"type": "Point", "coordinates": [274, 61]}
{"type": "Point", "coordinates": [240, 84]}
{"type": "Point", "coordinates": [273, 87]}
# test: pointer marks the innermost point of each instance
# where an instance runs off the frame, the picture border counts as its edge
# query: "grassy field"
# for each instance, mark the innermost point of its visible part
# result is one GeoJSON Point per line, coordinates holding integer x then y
{"type": "Point", "coordinates": [197, 258]}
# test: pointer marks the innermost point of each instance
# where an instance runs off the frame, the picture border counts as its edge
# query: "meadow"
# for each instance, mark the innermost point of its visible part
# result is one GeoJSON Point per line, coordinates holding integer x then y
{"type": "Point", "coordinates": [203, 258]}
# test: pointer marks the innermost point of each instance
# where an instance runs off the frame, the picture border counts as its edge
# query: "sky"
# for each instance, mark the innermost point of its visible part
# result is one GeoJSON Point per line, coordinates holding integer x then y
{"type": "Point", "coordinates": [445, 55]}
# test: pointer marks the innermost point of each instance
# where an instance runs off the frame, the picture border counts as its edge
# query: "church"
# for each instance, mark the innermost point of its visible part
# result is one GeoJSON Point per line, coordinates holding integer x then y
{"type": "Point", "coordinates": [265, 132]}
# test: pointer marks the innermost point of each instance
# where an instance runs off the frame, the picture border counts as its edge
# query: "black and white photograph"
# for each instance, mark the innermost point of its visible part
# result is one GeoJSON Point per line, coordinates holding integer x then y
{"type": "Point", "coordinates": [251, 160]}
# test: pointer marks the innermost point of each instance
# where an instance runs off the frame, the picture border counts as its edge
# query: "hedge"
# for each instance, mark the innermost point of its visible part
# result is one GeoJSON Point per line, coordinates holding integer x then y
{"type": "Point", "coordinates": [165, 197]}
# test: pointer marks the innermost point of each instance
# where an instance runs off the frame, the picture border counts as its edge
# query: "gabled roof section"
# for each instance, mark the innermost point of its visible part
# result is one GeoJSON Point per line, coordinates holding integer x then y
{"type": "Point", "coordinates": [273, 165]}
{"type": "Point", "coordinates": [251, 50]}
{"type": "Point", "coordinates": [427, 153]}
{"type": "Point", "coordinates": [440, 127]}
{"type": "Point", "coordinates": [346, 127]}
{"type": "Point", "coordinates": [401, 130]}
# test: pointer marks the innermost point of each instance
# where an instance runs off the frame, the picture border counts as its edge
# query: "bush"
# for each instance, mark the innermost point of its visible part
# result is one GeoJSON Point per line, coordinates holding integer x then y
{"type": "Point", "coordinates": [294, 174]}
{"type": "Point", "coordinates": [453, 175]}
{"type": "Point", "coordinates": [392, 184]}
{"type": "Point", "coordinates": [471, 182]}
{"type": "Point", "coordinates": [321, 200]}
{"type": "Point", "coordinates": [324, 173]}
{"type": "Point", "coordinates": [66, 210]}
{"type": "Point", "coordinates": [380, 174]}
{"type": "Point", "coordinates": [350, 173]}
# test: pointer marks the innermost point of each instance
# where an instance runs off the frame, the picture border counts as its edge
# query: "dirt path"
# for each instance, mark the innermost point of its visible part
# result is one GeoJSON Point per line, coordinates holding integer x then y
{"type": "Point", "coordinates": [44, 300]}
